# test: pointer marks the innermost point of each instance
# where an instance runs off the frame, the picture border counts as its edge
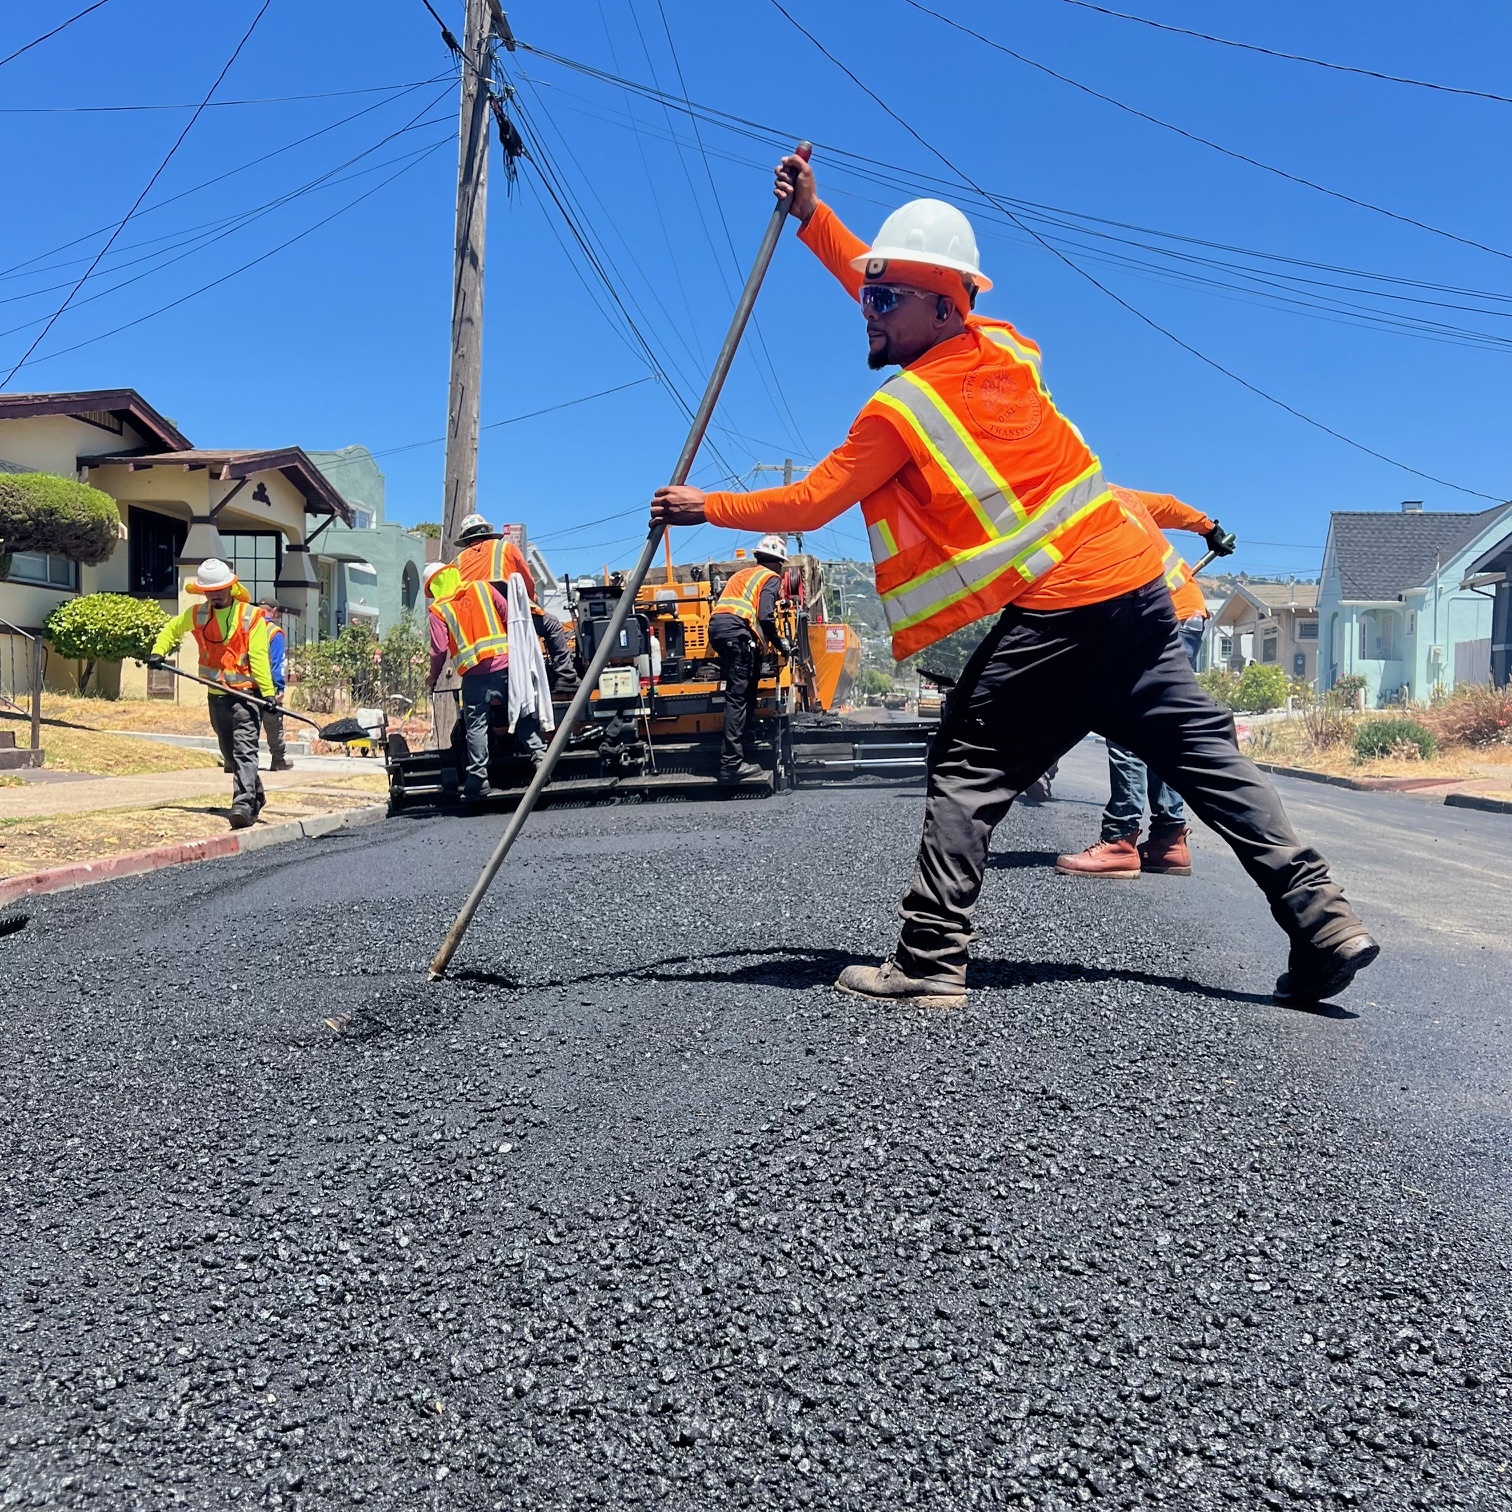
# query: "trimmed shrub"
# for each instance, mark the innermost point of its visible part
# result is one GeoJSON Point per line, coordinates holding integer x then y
{"type": "Point", "coordinates": [1474, 714]}
{"type": "Point", "coordinates": [103, 627]}
{"type": "Point", "coordinates": [1262, 687]}
{"type": "Point", "coordinates": [40, 512]}
{"type": "Point", "coordinates": [1222, 684]}
{"type": "Point", "coordinates": [1403, 738]}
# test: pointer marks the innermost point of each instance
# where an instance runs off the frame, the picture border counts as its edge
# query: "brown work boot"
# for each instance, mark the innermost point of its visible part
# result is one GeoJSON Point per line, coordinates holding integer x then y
{"type": "Point", "coordinates": [1167, 853]}
{"type": "Point", "coordinates": [1108, 858]}
{"type": "Point", "coordinates": [889, 983]}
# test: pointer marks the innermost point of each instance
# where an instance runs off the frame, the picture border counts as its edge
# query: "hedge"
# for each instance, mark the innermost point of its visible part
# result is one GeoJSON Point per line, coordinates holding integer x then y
{"type": "Point", "coordinates": [40, 512]}
{"type": "Point", "coordinates": [103, 627]}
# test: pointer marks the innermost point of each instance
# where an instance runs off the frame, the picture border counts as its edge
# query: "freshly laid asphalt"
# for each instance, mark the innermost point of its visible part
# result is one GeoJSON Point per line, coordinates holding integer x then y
{"type": "Point", "coordinates": [634, 1211]}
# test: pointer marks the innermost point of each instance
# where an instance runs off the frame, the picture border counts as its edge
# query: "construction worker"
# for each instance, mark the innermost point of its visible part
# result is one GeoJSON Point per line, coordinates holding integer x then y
{"type": "Point", "coordinates": [742, 624]}
{"type": "Point", "coordinates": [1119, 852]}
{"type": "Point", "coordinates": [272, 719]}
{"type": "Point", "coordinates": [981, 498]}
{"type": "Point", "coordinates": [487, 556]}
{"type": "Point", "coordinates": [232, 637]}
{"type": "Point", "coordinates": [469, 624]}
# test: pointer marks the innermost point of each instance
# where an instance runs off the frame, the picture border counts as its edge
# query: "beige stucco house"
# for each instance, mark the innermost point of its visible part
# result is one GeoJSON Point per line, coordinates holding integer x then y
{"type": "Point", "coordinates": [179, 504]}
{"type": "Point", "coordinates": [1273, 623]}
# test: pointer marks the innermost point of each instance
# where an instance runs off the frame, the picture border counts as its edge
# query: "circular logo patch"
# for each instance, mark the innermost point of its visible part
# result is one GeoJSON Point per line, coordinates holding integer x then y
{"type": "Point", "coordinates": [875, 267]}
{"type": "Point", "coordinates": [1004, 402]}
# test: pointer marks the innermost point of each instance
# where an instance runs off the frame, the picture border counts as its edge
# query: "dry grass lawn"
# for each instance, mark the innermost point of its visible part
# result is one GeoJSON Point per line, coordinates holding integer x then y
{"type": "Point", "coordinates": [72, 747]}
{"type": "Point", "coordinates": [28, 845]}
{"type": "Point", "coordinates": [1287, 744]}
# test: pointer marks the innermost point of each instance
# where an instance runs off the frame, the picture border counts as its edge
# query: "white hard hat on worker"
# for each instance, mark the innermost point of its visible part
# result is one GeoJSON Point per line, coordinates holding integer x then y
{"type": "Point", "coordinates": [774, 546]}
{"type": "Point", "coordinates": [924, 234]}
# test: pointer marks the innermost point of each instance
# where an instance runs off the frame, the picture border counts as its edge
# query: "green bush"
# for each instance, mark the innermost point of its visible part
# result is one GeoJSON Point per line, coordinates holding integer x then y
{"type": "Point", "coordinates": [1222, 684]}
{"type": "Point", "coordinates": [40, 512]}
{"type": "Point", "coordinates": [1262, 687]}
{"type": "Point", "coordinates": [405, 659]}
{"type": "Point", "coordinates": [1348, 688]}
{"type": "Point", "coordinates": [1394, 737]}
{"type": "Point", "coordinates": [343, 669]}
{"type": "Point", "coordinates": [103, 627]}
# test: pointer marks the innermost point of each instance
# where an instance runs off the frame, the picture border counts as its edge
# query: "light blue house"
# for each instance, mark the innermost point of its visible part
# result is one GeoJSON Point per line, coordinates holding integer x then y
{"type": "Point", "coordinates": [1407, 601]}
{"type": "Point", "coordinates": [369, 570]}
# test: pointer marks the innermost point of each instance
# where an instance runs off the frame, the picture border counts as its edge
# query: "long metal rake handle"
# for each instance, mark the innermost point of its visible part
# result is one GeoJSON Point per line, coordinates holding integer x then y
{"type": "Point", "coordinates": [626, 603]}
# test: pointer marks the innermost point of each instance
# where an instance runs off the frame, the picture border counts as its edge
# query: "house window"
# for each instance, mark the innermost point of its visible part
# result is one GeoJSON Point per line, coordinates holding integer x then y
{"type": "Point", "coordinates": [44, 569]}
{"type": "Point", "coordinates": [1225, 646]}
{"type": "Point", "coordinates": [1270, 648]}
{"type": "Point", "coordinates": [154, 542]}
{"type": "Point", "coordinates": [1307, 629]}
{"type": "Point", "coordinates": [1412, 622]}
{"type": "Point", "coordinates": [255, 556]}
{"type": "Point", "coordinates": [362, 519]}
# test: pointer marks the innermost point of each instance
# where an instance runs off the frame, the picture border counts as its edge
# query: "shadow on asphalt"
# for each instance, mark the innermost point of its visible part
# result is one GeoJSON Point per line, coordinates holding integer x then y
{"type": "Point", "coordinates": [801, 968]}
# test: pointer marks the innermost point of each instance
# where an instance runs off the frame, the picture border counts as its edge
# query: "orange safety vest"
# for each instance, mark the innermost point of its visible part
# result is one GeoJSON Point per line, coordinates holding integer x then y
{"type": "Point", "coordinates": [495, 559]}
{"type": "Point", "coordinates": [473, 626]}
{"type": "Point", "coordinates": [228, 662]}
{"type": "Point", "coordinates": [1186, 596]}
{"type": "Point", "coordinates": [742, 595]}
{"type": "Point", "coordinates": [1014, 489]}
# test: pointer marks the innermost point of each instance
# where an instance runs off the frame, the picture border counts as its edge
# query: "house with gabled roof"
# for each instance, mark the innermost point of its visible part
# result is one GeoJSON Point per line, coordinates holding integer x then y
{"type": "Point", "coordinates": [179, 504]}
{"type": "Point", "coordinates": [1409, 599]}
{"type": "Point", "coordinates": [1272, 623]}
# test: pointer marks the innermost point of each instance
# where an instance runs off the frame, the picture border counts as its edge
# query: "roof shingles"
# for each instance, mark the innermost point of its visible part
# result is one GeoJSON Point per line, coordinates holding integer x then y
{"type": "Point", "coordinates": [1381, 555]}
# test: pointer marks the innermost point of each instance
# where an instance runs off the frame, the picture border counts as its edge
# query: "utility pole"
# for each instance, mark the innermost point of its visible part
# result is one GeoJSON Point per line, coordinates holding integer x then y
{"type": "Point", "coordinates": [786, 469]}
{"type": "Point", "coordinates": [461, 489]}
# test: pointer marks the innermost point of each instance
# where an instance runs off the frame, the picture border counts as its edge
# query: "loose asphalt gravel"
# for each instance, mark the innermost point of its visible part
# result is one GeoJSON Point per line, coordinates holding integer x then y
{"type": "Point", "coordinates": [635, 1211]}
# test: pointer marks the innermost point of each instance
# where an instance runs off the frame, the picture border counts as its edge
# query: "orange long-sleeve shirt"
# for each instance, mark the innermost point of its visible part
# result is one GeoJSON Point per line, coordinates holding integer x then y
{"type": "Point", "coordinates": [1150, 511]}
{"type": "Point", "coordinates": [1103, 567]}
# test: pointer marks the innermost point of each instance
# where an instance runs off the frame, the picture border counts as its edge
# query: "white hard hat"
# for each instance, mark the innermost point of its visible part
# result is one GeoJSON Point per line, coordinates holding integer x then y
{"type": "Point", "coordinates": [213, 573]}
{"type": "Point", "coordinates": [474, 524]}
{"type": "Point", "coordinates": [430, 570]}
{"type": "Point", "coordinates": [772, 546]}
{"type": "Point", "coordinates": [926, 231]}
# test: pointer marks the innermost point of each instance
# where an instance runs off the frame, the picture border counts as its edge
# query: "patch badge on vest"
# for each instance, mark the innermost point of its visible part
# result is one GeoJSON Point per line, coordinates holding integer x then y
{"type": "Point", "coordinates": [1004, 402]}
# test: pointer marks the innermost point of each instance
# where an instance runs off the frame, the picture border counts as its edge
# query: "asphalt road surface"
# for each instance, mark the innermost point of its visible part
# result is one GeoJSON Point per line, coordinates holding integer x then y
{"type": "Point", "coordinates": [635, 1212]}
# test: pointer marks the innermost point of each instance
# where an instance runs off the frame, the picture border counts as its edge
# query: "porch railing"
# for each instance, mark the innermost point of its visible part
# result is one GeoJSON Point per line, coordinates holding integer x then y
{"type": "Point", "coordinates": [23, 656]}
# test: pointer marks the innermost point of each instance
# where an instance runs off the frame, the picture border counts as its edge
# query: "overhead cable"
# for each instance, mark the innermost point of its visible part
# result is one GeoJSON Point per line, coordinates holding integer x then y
{"type": "Point", "coordinates": [1119, 299]}
{"type": "Point", "coordinates": [1291, 57]}
{"type": "Point", "coordinates": [1202, 141]}
{"type": "Point", "coordinates": [146, 190]}
{"type": "Point", "coordinates": [328, 94]}
{"type": "Point", "coordinates": [390, 451]}
{"type": "Point", "coordinates": [46, 36]}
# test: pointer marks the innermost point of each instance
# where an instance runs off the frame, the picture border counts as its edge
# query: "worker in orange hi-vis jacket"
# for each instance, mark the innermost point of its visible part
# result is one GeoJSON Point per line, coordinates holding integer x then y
{"type": "Point", "coordinates": [1119, 852]}
{"type": "Point", "coordinates": [981, 498]}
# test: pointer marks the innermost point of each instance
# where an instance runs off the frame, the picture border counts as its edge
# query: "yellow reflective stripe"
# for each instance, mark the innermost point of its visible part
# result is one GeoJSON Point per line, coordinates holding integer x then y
{"type": "Point", "coordinates": [1029, 551]}
{"type": "Point", "coordinates": [1031, 360]}
{"type": "Point", "coordinates": [954, 451]}
{"type": "Point", "coordinates": [883, 543]}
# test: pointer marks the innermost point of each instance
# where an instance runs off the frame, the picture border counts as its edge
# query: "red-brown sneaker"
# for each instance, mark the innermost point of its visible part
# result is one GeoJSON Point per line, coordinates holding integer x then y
{"type": "Point", "coordinates": [1108, 858]}
{"type": "Point", "coordinates": [1167, 853]}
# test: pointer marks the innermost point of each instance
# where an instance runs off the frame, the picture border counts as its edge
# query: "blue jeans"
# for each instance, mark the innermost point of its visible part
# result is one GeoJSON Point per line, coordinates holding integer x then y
{"type": "Point", "coordinates": [1131, 782]}
{"type": "Point", "coordinates": [478, 688]}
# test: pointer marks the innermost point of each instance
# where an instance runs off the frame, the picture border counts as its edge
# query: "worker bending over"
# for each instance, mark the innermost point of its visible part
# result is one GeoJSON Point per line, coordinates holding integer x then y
{"type": "Point", "coordinates": [469, 624]}
{"type": "Point", "coordinates": [742, 624]}
{"type": "Point", "coordinates": [232, 637]}
{"type": "Point", "coordinates": [272, 719]}
{"type": "Point", "coordinates": [1119, 852]}
{"type": "Point", "coordinates": [981, 498]}
{"type": "Point", "coordinates": [488, 556]}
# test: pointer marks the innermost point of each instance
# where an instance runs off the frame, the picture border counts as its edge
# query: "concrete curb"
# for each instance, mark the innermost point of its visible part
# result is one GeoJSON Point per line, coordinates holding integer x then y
{"type": "Point", "coordinates": [1361, 784]}
{"type": "Point", "coordinates": [134, 863]}
{"type": "Point", "coordinates": [1475, 801]}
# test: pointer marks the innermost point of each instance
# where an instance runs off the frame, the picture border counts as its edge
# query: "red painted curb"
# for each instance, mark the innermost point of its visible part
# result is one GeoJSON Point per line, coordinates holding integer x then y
{"type": "Point", "coordinates": [58, 878]}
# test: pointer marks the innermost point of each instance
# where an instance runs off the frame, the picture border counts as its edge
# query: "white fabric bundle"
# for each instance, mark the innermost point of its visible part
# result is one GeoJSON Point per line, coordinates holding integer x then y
{"type": "Point", "coordinates": [529, 692]}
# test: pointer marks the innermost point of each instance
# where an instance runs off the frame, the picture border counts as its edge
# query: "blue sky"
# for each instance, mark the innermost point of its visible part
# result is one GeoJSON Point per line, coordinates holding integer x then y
{"type": "Point", "coordinates": [341, 337]}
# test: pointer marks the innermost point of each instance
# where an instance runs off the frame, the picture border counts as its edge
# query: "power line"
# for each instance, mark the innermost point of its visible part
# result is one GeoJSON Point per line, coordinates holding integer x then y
{"type": "Point", "coordinates": [62, 26]}
{"type": "Point", "coordinates": [1117, 298]}
{"type": "Point", "coordinates": [147, 188]}
{"type": "Point", "coordinates": [390, 451]}
{"type": "Point", "coordinates": [1192, 136]}
{"type": "Point", "coordinates": [329, 94]}
{"type": "Point", "coordinates": [1290, 57]}
{"type": "Point", "coordinates": [226, 277]}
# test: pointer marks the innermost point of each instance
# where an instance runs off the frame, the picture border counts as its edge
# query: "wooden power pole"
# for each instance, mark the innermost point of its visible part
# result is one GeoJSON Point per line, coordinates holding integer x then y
{"type": "Point", "coordinates": [467, 274]}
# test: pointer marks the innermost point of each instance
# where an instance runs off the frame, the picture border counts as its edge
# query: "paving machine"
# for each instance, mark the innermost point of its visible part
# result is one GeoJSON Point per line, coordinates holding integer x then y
{"type": "Point", "coordinates": [654, 724]}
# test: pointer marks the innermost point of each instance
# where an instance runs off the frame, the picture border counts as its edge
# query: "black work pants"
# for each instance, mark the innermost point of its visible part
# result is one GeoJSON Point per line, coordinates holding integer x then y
{"type": "Point", "coordinates": [1041, 681]}
{"type": "Point", "coordinates": [740, 666]}
{"type": "Point", "coordinates": [236, 726]}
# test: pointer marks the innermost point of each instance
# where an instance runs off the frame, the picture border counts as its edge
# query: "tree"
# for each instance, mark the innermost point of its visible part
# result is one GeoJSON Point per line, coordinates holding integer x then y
{"type": "Point", "coordinates": [427, 528]}
{"type": "Point", "coordinates": [41, 512]}
{"type": "Point", "coordinates": [951, 654]}
{"type": "Point", "coordinates": [103, 627]}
